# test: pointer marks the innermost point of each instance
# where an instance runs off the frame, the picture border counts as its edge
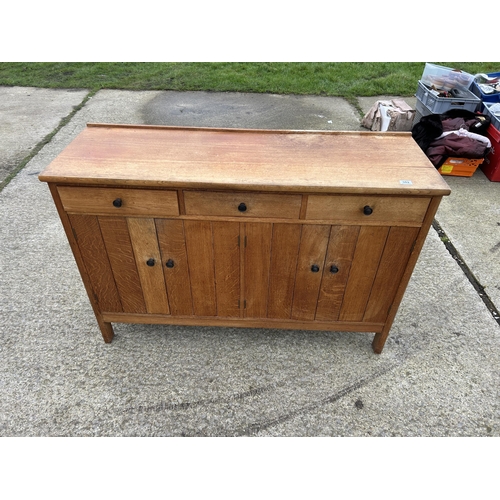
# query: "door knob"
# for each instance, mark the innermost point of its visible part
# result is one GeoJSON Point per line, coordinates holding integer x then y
{"type": "Point", "coordinates": [367, 210]}
{"type": "Point", "coordinates": [242, 207]}
{"type": "Point", "coordinates": [117, 203]}
{"type": "Point", "coordinates": [150, 262]}
{"type": "Point", "coordinates": [314, 268]}
{"type": "Point", "coordinates": [170, 263]}
{"type": "Point", "coordinates": [334, 269]}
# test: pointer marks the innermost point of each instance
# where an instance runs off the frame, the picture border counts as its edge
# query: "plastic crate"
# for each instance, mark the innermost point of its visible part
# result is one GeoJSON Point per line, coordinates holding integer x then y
{"type": "Point", "coordinates": [475, 89]}
{"type": "Point", "coordinates": [438, 105]}
{"type": "Point", "coordinates": [422, 110]}
{"type": "Point", "coordinates": [461, 167]}
{"type": "Point", "coordinates": [495, 119]}
{"type": "Point", "coordinates": [491, 164]}
{"type": "Point", "coordinates": [445, 78]}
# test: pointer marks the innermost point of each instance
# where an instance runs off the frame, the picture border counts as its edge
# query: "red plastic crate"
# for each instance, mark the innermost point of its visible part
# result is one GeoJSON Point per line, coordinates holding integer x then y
{"type": "Point", "coordinates": [491, 164]}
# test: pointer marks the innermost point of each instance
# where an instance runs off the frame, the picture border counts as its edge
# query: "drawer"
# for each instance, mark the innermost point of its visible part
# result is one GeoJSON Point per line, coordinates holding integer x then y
{"type": "Point", "coordinates": [118, 201]}
{"type": "Point", "coordinates": [244, 204]}
{"type": "Point", "coordinates": [367, 209]}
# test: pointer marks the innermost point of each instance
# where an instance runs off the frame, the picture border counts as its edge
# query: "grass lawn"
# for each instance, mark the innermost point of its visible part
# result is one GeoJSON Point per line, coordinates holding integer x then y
{"type": "Point", "coordinates": [333, 79]}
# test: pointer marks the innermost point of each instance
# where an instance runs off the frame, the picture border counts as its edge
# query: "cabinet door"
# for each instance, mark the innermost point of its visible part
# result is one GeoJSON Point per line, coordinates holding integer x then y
{"type": "Point", "coordinates": [336, 271]}
{"type": "Point", "coordinates": [121, 257]}
{"type": "Point", "coordinates": [369, 247]}
{"type": "Point", "coordinates": [379, 261]}
{"type": "Point", "coordinates": [310, 266]}
{"type": "Point", "coordinates": [149, 264]}
{"type": "Point", "coordinates": [295, 271]}
{"type": "Point", "coordinates": [283, 267]}
{"type": "Point", "coordinates": [213, 255]}
{"type": "Point", "coordinates": [87, 232]}
{"type": "Point", "coordinates": [257, 239]}
{"type": "Point", "coordinates": [226, 244]}
{"type": "Point", "coordinates": [172, 243]}
{"type": "Point", "coordinates": [397, 250]}
{"type": "Point", "coordinates": [200, 255]}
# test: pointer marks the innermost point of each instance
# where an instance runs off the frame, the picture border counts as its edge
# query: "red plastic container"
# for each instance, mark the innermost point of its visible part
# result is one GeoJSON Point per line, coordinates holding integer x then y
{"type": "Point", "coordinates": [491, 164]}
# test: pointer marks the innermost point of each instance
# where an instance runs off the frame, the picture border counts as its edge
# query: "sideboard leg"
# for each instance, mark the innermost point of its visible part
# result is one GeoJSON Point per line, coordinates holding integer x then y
{"type": "Point", "coordinates": [106, 330]}
{"type": "Point", "coordinates": [379, 341]}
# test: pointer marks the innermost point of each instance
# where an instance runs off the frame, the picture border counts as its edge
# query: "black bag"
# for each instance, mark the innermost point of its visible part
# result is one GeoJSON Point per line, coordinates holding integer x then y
{"type": "Point", "coordinates": [430, 127]}
{"type": "Point", "coordinates": [477, 122]}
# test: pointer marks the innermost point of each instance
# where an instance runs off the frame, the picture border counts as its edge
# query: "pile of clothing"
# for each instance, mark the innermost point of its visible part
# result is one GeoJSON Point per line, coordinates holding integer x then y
{"type": "Point", "coordinates": [457, 133]}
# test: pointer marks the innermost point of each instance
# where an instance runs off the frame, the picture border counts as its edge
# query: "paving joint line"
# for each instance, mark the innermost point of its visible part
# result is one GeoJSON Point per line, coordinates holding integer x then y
{"type": "Point", "coordinates": [39, 146]}
{"type": "Point", "coordinates": [466, 270]}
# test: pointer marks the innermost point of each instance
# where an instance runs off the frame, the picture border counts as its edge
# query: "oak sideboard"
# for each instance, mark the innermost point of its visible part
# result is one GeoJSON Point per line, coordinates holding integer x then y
{"type": "Point", "coordinates": [310, 230]}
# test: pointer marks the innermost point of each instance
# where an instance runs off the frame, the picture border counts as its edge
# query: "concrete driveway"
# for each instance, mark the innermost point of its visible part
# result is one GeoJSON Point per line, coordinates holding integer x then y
{"type": "Point", "coordinates": [437, 376]}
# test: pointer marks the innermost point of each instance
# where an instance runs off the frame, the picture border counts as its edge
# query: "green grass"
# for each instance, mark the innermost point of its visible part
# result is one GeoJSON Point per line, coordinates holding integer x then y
{"type": "Point", "coordinates": [332, 79]}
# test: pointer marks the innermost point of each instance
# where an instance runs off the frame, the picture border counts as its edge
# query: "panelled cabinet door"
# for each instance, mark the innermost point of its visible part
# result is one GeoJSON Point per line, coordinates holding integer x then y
{"type": "Point", "coordinates": [119, 248]}
{"type": "Point", "coordinates": [369, 247]}
{"type": "Point", "coordinates": [310, 265]}
{"type": "Point", "coordinates": [87, 232]}
{"type": "Point", "coordinates": [172, 243]}
{"type": "Point", "coordinates": [226, 242]}
{"type": "Point", "coordinates": [149, 264]}
{"type": "Point", "coordinates": [257, 238]}
{"type": "Point", "coordinates": [336, 271]}
{"type": "Point", "coordinates": [213, 255]}
{"type": "Point", "coordinates": [397, 251]}
{"type": "Point", "coordinates": [283, 267]}
{"type": "Point", "coordinates": [200, 257]}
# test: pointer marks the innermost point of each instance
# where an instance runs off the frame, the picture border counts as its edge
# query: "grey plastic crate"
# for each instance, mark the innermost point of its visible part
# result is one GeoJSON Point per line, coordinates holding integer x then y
{"type": "Point", "coordinates": [438, 105]}
{"type": "Point", "coordinates": [422, 110]}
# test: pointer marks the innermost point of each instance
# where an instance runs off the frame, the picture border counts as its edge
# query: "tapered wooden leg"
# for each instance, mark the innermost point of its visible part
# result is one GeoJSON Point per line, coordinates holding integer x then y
{"type": "Point", "coordinates": [106, 330]}
{"type": "Point", "coordinates": [379, 340]}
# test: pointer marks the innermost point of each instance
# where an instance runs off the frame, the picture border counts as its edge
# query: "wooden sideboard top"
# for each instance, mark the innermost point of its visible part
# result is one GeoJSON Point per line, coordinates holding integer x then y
{"type": "Point", "coordinates": [263, 160]}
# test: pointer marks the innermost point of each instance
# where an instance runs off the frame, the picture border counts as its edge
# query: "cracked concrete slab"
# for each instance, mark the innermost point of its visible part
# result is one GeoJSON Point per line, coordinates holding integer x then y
{"type": "Point", "coordinates": [470, 217]}
{"type": "Point", "coordinates": [27, 116]}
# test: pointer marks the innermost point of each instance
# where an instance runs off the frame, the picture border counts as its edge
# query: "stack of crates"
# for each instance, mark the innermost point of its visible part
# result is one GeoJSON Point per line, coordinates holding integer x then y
{"type": "Point", "coordinates": [436, 80]}
{"type": "Point", "coordinates": [491, 165]}
{"type": "Point", "coordinates": [442, 78]}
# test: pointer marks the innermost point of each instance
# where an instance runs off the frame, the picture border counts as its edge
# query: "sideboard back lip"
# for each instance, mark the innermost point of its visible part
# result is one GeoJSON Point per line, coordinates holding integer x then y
{"type": "Point", "coordinates": [245, 130]}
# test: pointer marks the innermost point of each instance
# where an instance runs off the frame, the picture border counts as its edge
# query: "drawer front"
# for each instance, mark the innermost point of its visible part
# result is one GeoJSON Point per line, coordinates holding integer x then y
{"type": "Point", "coordinates": [118, 201]}
{"type": "Point", "coordinates": [367, 209]}
{"type": "Point", "coordinates": [282, 206]}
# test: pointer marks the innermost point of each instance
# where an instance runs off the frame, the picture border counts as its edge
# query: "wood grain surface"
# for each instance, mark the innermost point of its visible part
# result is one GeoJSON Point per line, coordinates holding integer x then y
{"type": "Point", "coordinates": [360, 162]}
